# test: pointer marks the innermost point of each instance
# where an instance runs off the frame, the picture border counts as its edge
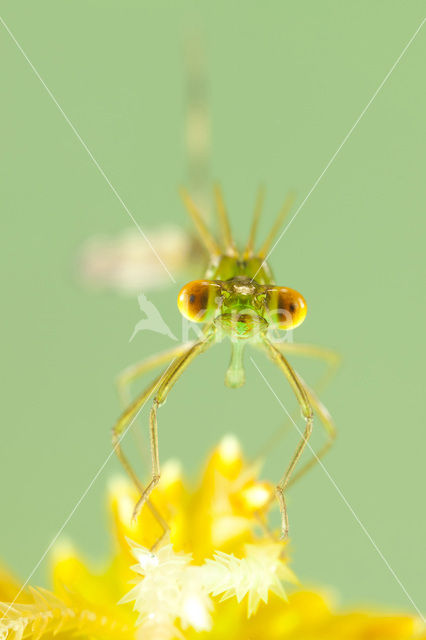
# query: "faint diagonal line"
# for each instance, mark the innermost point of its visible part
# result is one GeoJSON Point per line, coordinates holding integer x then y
{"type": "Point", "coordinates": [339, 491]}
{"type": "Point", "coordinates": [347, 136]}
{"type": "Point", "coordinates": [84, 494]}
{"type": "Point", "coordinates": [90, 154]}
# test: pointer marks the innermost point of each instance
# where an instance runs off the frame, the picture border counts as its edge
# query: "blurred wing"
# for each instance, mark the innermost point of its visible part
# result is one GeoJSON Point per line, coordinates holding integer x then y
{"type": "Point", "coordinates": [127, 264]}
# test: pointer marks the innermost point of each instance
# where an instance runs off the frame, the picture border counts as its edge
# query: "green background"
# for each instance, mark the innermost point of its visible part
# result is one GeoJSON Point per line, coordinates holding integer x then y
{"type": "Point", "coordinates": [287, 82]}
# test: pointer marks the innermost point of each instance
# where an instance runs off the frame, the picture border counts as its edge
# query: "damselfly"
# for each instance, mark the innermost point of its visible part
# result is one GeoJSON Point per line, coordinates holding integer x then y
{"type": "Point", "coordinates": [239, 300]}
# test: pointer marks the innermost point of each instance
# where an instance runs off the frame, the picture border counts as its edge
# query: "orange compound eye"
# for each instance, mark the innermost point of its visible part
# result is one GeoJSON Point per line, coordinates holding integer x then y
{"type": "Point", "coordinates": [287, 307]}
{"type": "Point", "coordinates": [198, 300]}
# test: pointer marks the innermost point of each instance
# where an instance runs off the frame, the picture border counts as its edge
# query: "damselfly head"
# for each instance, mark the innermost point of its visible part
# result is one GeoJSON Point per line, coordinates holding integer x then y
{"type": "Point", "coordinates": [241, 307]}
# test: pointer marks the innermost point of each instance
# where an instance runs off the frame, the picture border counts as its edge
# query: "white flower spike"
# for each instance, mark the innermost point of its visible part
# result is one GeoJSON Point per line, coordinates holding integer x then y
{"type": "Point", "coordinates": [260, 572]}
{"type": "Point", "coordinates": [170, 592]}
{"type": "Point", "coordinates": [173, 594]}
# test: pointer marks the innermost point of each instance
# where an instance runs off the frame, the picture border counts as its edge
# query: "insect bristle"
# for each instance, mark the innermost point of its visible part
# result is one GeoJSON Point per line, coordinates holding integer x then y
{"type": "Point", "coordinates": [249, 250]}
{"type": "Point", "coordinates": [209, 241]}
{"type": "Point", "coordinates": [277, 224]}
{"type": "Point", "coordinates": [227, 239]}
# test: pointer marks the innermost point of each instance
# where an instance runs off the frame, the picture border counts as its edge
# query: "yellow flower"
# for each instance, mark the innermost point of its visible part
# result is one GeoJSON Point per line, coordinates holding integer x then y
{"type": "Point", "coordinates": [218, 574]}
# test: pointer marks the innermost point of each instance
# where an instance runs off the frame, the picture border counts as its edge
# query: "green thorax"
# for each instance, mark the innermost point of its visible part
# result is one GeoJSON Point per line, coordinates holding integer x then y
{"type": "Point", "coordinates": [228, 267]}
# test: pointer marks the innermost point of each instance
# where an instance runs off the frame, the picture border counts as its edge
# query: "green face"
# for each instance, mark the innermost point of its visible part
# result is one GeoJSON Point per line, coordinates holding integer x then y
{"type": "Point", "coordinates": [242, 308]}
